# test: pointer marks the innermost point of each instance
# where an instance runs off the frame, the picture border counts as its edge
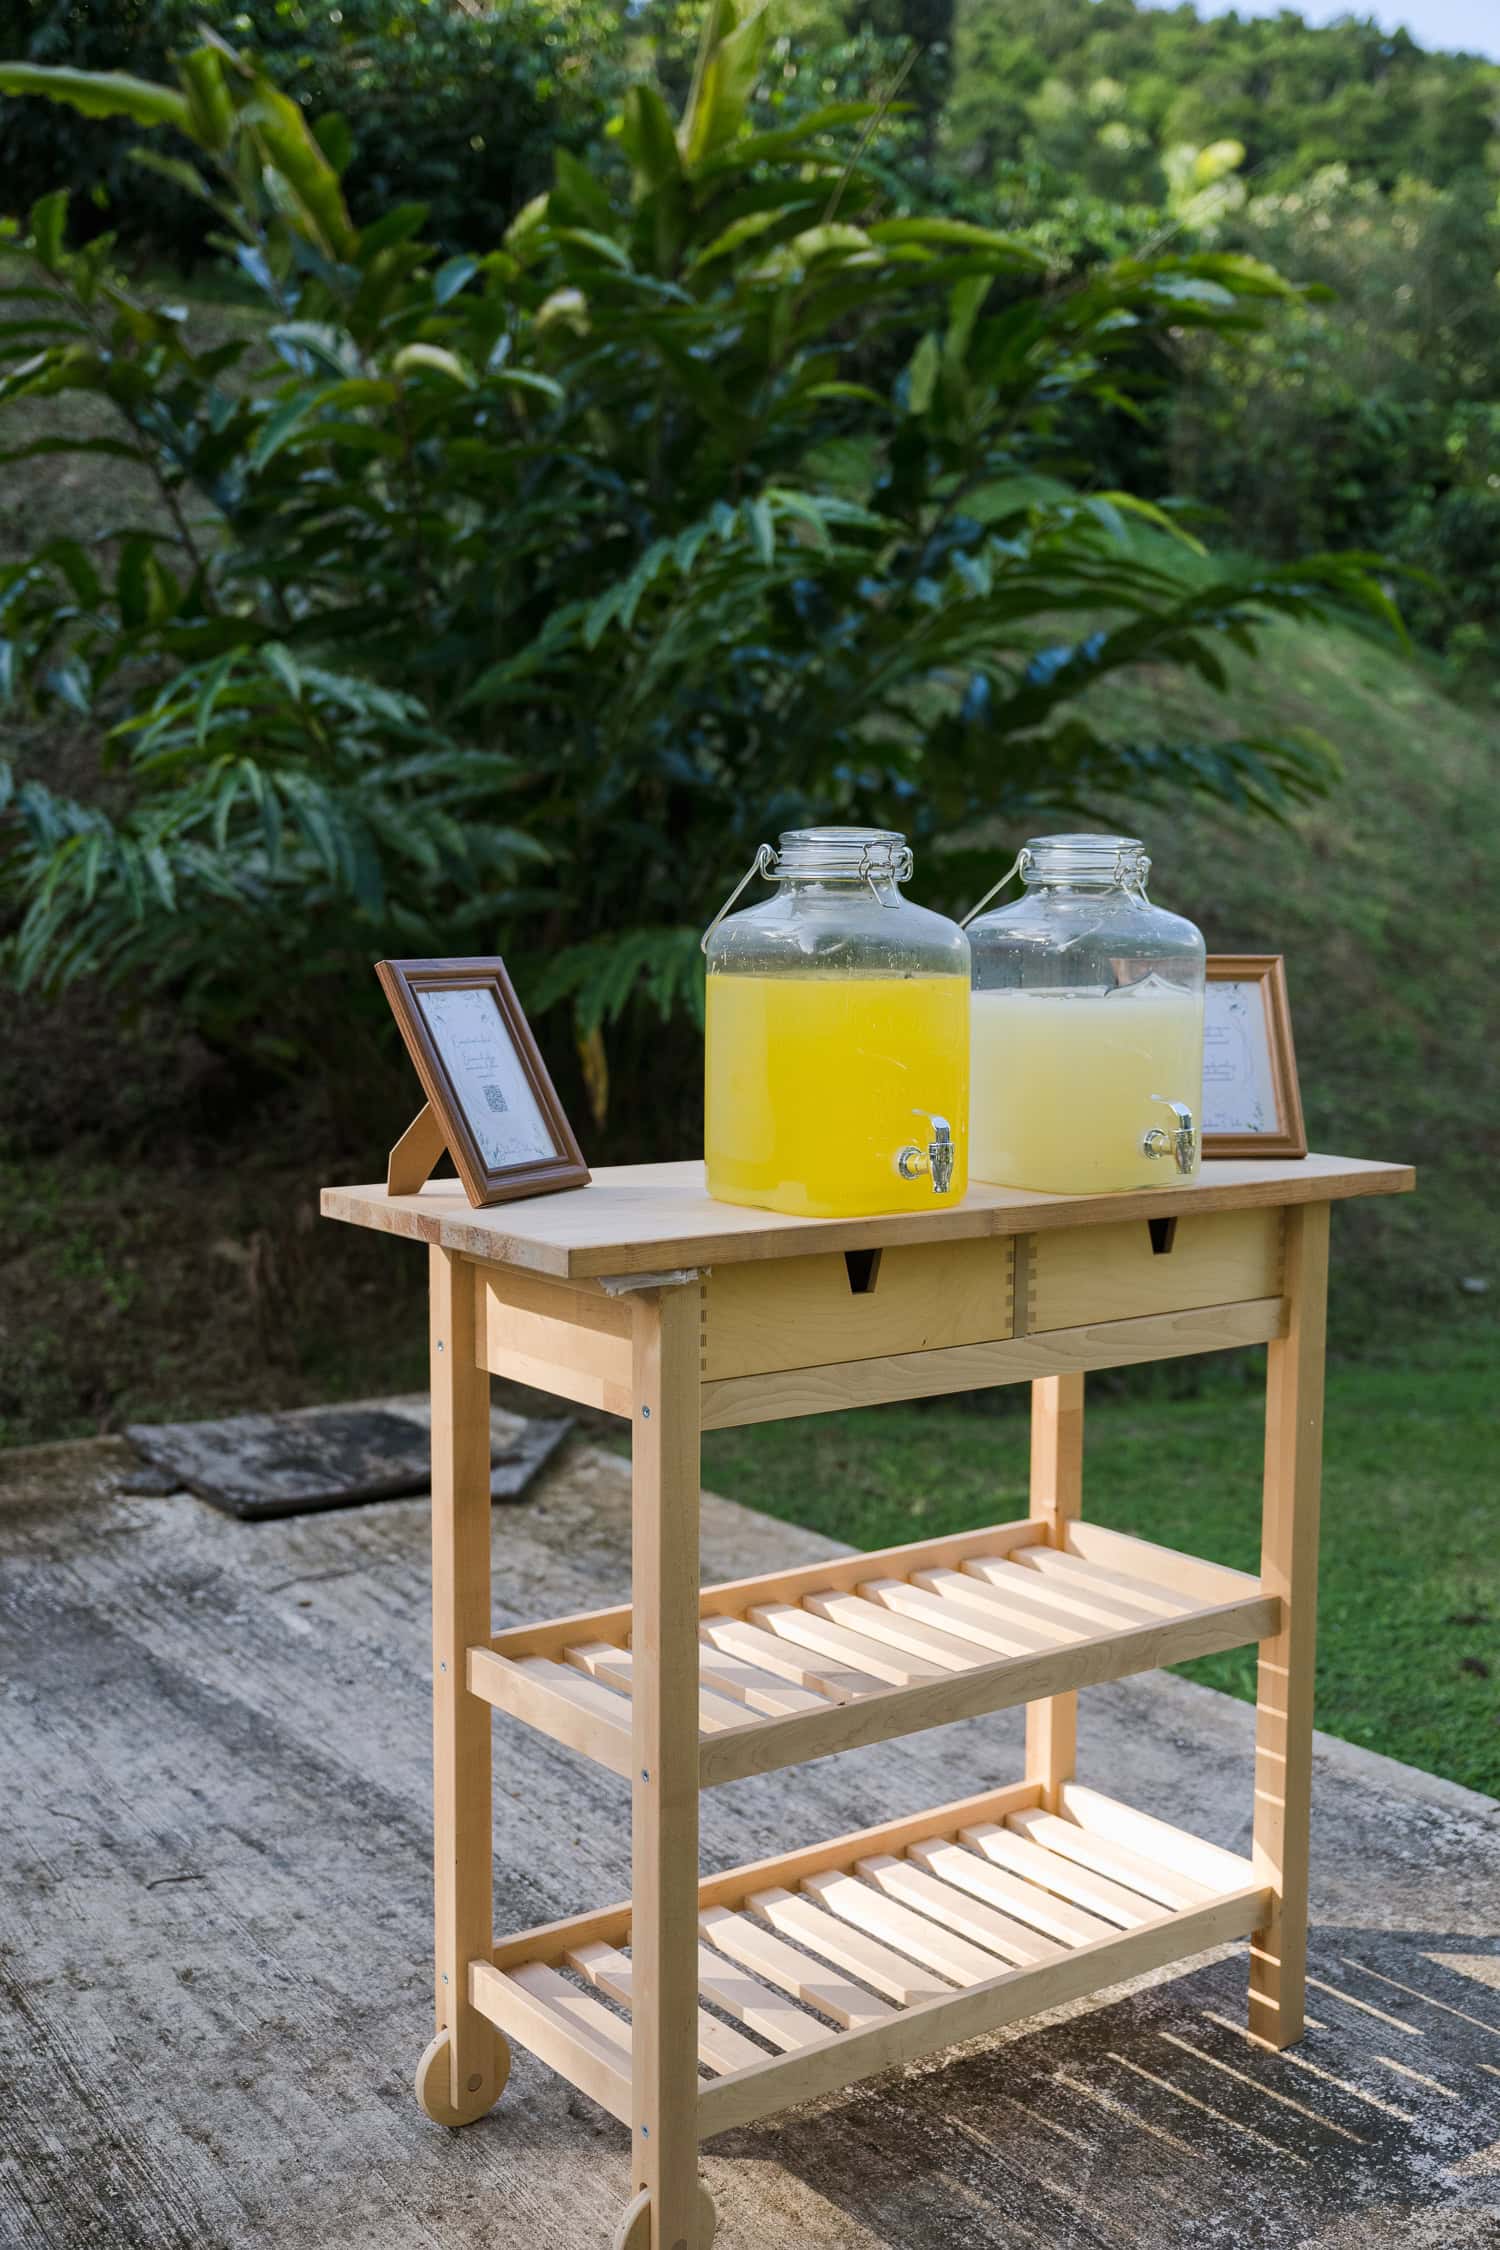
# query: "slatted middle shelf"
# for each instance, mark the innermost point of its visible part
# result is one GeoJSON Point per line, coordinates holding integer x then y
{"type": "Point", "coordinates": [836, 1655]}
{"type": "Point", "coordinates": [821, 1966]}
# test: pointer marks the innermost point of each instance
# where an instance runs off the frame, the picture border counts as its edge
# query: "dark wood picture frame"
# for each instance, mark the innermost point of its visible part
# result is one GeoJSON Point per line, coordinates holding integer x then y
{"type": "Point", "coordinates": [1289, 1136]}
{"type": "Point", "coordinates": [444, 1122]}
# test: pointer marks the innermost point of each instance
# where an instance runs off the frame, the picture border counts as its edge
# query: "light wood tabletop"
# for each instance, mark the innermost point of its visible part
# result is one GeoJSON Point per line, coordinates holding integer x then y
{"type": "Point", "coordinates": [647, 1218]}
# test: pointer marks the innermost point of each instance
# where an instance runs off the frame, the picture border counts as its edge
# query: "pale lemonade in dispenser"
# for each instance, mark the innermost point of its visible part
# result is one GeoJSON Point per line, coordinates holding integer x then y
{"type": "Point", "coordinates": [1087, 1026]}
{"type": "Point", "coordinates": [1066, 1083]}
{"type": "Point", "coordinates": [837, 1067]}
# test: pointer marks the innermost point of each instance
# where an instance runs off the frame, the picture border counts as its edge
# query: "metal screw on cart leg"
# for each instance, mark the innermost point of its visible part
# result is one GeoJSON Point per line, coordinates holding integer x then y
{"type": "Point", "coordinates": [645, 1413]}
{"type": "Point", "coordinates": [440, 1343]}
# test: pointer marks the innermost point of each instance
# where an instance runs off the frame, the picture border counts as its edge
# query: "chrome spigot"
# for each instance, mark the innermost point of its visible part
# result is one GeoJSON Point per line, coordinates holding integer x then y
{"type": "Point", "coordinates": [935, 1160]}
{"type": "Point", "coordinates": [1183, 1144]}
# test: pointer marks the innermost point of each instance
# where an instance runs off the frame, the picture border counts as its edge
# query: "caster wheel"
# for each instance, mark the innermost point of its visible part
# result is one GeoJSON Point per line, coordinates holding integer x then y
{"type": "Point", "coordinates": [432, 2084]}
{"type": "Point", "coordinates": [634, 2230]}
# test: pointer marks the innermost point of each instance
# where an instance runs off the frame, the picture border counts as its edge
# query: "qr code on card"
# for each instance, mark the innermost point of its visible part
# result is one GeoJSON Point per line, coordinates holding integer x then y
{"type": "Point", "coordinates": [496, 1099]}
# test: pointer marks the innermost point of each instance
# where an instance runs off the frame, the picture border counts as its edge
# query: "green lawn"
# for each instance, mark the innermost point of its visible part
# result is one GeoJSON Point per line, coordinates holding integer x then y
{"type": "Point", "coordinates": [1409, 1621]}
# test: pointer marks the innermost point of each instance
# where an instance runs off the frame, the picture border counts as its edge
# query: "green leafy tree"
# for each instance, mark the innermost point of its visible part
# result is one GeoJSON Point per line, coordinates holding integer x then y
{"type": "Point", "coordinates": [508, 599]}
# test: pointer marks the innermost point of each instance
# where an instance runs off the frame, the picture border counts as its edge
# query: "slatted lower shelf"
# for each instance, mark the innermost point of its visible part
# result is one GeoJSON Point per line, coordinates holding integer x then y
{"type": "Point", "coordinates": [800, 1664]}
{"type": "Point", "coordinates": [825, 1965]}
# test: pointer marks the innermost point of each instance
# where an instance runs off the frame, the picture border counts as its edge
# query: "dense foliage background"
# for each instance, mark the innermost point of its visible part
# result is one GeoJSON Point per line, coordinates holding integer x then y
{"type": "Point", "coordinates": [490, 574]}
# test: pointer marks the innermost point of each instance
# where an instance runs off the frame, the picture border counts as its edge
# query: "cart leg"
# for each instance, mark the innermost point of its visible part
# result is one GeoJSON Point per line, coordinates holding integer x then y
{"type": "Point", "coordinates": [1057, 1501]}
{"type": "Point", "coordinates": [1284, 1693]}
{"type": "Point", "coordinates": [664, 1808]}
{"type": "Point", "coordinates": [464, 2069]}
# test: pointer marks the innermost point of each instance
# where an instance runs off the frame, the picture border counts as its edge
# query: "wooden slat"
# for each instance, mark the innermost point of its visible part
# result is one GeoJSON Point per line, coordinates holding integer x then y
{"type": "Point", "coordinates": [594, 2026]}
{"type": "Point", "coordinates": [757, 1948]}
{"type": "Point", "coordinates": [981, 1630]}
{"type": "Point", "coordinates": [823, 1933]}
{"type": "Point", "coordinates": [1122, 1865]}
{"type": "Point", "coordinates": [602, 1661]}
{"type": "Point", "coordinates": [560, 2040]}
{"type": "Point", "coordinates": [1164, 1566]}
{"type": "Point", "coordinates": [838, 1683]}
{"type": "Point", "coordinates": [957, 1910]}
{"type": "Point", "coordinates": [756, 1689]}
{"type": "Point", "coordinates": [975, 1599]}
{"type": "Point", "coordinates": [1027, 1902]}
{"type": "Point", "coordinates": [716, 1713]}
{"type": "Point", "coordinates": [720, 2047]}
{"type": "Point", "coordinates": [845, 2056]}
{"type": "Point", "coordinates": [1157, 1840]}
{"type": "Point", "coordinates": [652, 1218]}
{"type": "Point", "coordinates": [739, 1994]}
{"type": "Point", "coordinates": [896, 1925]}
{"type": "Point", "coordinates": [968, 1367]}
{"type": "Point", "coordinates": [1082, 1885]}
{"type": "Point", "coordinates": [1106, 1655]}
{"type": "Point", "coordinates": [532, 1689]}
{"type": "Point", "coordinates": [733, 1596]}
{"type": "Point", "coordinates": [735, 1885]}
{"type": "Point", "coordinates": [878, 1623]}
{"type": "Point", "coordinates": [1047, 1598]}
{"type": "Point", "coordinates": [1052, 1562]}
{"type": "Point", "coordinates": [895, 1667]}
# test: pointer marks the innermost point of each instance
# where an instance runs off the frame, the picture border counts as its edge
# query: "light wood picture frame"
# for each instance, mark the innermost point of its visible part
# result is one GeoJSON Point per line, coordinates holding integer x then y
{"type": "Point", "coordinates": [1252, 1105]}
{"type": "Point", "coordinates": [490, 1101]}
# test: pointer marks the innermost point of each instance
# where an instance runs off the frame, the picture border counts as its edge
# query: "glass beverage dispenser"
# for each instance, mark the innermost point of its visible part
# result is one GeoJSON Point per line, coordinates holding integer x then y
{"type": "Point", "coordinates": [1087, 1026]}
{"type": "Point", "coordinates": [837, 1076]}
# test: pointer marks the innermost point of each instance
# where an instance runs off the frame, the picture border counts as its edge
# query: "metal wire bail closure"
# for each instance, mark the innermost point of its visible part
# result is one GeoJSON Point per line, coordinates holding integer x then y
{"type": "Point", "coordinates": [764, 863]}
{"type": "Point", "coordinates": [884, 858]}
{"type": "Point", "coordinates": [1131, 870]}
{"type": "Point", "coordinates": [1020, 865]}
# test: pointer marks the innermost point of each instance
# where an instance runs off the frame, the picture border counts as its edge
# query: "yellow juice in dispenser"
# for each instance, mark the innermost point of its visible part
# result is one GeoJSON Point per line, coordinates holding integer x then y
{"type": "Point", "coordinates": [812, 1083]}
{"type": "Point", "coordinates": [1065, 1083]}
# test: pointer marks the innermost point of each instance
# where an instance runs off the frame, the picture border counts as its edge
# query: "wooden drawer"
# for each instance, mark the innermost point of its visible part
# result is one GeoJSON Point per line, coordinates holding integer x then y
{"type": "Point", "coordinates": [1083, 1275]}
{"type": "Point", "coordinates": [762, 1317]}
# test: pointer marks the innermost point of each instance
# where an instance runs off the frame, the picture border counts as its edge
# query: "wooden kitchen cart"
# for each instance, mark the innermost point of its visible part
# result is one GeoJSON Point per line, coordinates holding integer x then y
{"type": "Point", "coordinates": [838, 1958]}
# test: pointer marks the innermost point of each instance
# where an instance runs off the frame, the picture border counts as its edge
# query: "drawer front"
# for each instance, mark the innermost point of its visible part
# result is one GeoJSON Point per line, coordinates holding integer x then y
{"type": "Point", "coordinates": [762, 1317]}
{"type": "Point", "coordinates": [1082, 1275]}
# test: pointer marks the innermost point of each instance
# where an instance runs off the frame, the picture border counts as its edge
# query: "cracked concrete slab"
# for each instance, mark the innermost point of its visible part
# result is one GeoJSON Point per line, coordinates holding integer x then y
{"type": "Point", "coordinates": [214, 1931]}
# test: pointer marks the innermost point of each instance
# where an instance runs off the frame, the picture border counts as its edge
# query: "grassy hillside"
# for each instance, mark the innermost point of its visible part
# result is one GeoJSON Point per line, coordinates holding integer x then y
{"type": "Point", "coordinates": [1381, 900]}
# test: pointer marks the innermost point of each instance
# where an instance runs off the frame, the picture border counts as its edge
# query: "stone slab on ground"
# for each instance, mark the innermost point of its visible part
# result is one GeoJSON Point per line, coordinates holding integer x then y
{"type": "Point", "coordinates": [214, 1932]}
{"type": "Point", "coordinates": [261, 1465]}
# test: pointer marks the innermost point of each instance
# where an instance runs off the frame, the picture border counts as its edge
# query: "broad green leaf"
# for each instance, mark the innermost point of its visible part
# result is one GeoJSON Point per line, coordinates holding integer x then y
{"type": "Point", "coordinates": [922, 375]}
{"type": "Point", "coordinates": [728, 61]}
{"type": "Point", "coordinates": [958, 234]}
{"type": "Point", "coordinates": [297, 160]}
{"type": "Point", "coordinates": [649, 142]}
{"type": "Point", "coordinates": [450, 278]}
{"type": "Point", "coordinates": [431, 359]}
{"type": "Point", "coordinates": [332, 134]}
{"type": "Point", "coordinates": [100, 93]}
{"type": "Point", "coordinates": [49, 221]}
{"type": "Point", "coordinates": [209, 98]}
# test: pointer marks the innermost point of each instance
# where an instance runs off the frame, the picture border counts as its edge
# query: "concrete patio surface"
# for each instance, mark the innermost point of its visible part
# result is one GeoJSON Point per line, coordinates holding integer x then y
{"type": "Point", "coordinates": [214, 1932]}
